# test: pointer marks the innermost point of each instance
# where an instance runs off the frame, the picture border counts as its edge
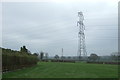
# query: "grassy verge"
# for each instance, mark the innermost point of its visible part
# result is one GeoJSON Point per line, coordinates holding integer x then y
{"type": "Point", "coordinates": [65, 70]}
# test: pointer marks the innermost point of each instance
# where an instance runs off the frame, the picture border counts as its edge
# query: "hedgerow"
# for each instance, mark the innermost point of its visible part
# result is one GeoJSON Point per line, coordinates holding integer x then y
{"type": "Point", "coordinates": [12, 60]}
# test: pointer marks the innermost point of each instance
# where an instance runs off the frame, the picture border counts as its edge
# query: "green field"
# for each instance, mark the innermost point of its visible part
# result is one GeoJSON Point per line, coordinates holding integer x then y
{"type": "Point", "coordinates": [65, 70]}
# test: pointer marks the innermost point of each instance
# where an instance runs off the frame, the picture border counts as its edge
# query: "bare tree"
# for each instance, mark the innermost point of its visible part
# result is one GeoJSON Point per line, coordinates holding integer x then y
{"type": "Point", "coordinates": [46, 55]}
{"type": "Point", "coordinates": [115, 56]}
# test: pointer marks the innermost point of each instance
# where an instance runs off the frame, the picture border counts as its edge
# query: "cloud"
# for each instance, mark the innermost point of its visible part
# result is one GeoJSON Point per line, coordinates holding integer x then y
{"type": "Point", "coordinates": [50, 26]}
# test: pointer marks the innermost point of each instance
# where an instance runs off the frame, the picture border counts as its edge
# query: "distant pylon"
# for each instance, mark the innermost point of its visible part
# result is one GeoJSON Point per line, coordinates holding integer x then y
{"type": "Point", "coordinates": [81, 36]}
{"type": "Point", "coordinates": [62, 51]}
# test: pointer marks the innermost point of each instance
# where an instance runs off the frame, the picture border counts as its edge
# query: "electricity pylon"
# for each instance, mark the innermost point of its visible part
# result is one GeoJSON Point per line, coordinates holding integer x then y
{"type": "Point", "coordinates": [81, 35]}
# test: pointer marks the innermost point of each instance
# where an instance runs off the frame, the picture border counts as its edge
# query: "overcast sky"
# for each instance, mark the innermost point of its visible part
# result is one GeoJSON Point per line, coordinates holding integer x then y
{"type": "Point", "coordinates": [51, 26]}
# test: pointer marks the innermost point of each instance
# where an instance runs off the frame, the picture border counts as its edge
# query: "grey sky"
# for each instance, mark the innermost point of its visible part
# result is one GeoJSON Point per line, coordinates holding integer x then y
{"type": "Point", "coordinates": [50, 26]}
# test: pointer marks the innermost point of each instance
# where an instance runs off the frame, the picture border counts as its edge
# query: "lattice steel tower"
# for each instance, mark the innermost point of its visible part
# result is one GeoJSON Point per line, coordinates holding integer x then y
{"type": "Point", "coordinates": [81, 35]}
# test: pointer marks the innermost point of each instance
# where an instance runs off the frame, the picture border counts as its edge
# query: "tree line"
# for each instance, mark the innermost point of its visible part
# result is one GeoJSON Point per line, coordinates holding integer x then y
{"type": "Point", "coordinates": [12, 60]}
{"type": "Point", "coordinates": [113, 57]}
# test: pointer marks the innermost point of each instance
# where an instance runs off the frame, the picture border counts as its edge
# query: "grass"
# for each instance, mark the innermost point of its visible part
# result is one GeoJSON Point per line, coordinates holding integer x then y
{"type": "Point", "coordinates": [65, 70]}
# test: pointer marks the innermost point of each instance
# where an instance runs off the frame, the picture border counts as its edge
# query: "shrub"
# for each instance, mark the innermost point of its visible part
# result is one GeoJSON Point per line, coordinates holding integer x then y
{"type": "Point", "coordinates": [12, 60]}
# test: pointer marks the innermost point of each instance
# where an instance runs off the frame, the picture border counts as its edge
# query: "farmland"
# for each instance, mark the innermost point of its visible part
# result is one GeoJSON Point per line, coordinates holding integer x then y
{"type": "Point", "coordinates": [65, 70]}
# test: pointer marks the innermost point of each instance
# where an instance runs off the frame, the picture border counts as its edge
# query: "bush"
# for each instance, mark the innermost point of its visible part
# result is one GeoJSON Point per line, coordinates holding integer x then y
{"type": "Point", "coordinates": [12, 60]}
